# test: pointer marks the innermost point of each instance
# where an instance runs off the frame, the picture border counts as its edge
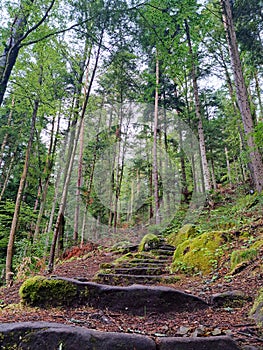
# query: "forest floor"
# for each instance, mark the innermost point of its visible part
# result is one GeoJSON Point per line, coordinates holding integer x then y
{"type": "Point", "coordinates": [212, 321]}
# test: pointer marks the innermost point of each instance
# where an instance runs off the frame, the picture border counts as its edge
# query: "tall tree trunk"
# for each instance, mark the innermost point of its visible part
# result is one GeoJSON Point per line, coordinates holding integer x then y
{"type": "Point", "coordinates": [242, 97]}
{"type": "Point", "coordinates": [47, 173]}
{"type": "Point", "coordinates": [201, 135]}
{"type": "Point", "coordinates": [228, 167]}
{"type": "Point", "coordinates": [70, 167]}
{"type": "Point", "coordinates": [10, 247]}
{"type": "Point", "coordinates": [80, 165]}
{"type": "Point", "coordinates": [155, 140]}
{"type": "Point", "coordinates": [258, 90]}
{"type": "Point", "coordinates": [6, 134]}
{"type": "Point", "coordinates": [8, 173]}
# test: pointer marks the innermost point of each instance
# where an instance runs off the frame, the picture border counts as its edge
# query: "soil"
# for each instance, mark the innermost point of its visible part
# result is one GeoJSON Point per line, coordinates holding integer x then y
{"type": "Point", "coordinates": [212, 321]}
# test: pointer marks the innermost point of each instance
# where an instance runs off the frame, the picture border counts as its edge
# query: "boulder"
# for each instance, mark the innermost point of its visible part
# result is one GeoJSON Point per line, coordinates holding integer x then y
{"type": "Point", "coordinates": [257, 310]}
{"type": "Point", "coordinates": [135, 299]}
{"type": "Point", "coordinates": [46, 336]}
{"type": "Point", "coordinates": [199, 254]}
{"type": "Point", "coordinates": [148, 242]}
{"type": "Point", "coordinates": [183, 234]}
{"type": "Point", "coordinates": [198, 343]}
{"type": "Point", "coordinates": [233, 299]}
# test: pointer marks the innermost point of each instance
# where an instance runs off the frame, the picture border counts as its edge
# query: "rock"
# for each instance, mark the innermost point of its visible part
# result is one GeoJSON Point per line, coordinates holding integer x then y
{"type": "Point", "coordinates": [183, 330]}
{"type": "Point", "coordinates": [249, 347]}
{"type": "Point", "coordinates": [185, 232]}
{"type": "Point", "coordinates": [198, 343]}
{"type": "Point", "coordinates": [241, 258]}
{"type": "Point", "coordinates": [231, 299]}
{"type": "Point", "coordinates": [43, 335]}
{"type": "Point", "coordinates": [135, 299]}
{"type": "Point", "coordinates": [198, 254]}
{"type": "Point", "coordinates": [198, 332]}
{"type": "Point", "coordinates": [216, 331]}
{"type": "Point", "coordinates": [257, 310]}
{"type": "Point", "coordinates": [148, 242]}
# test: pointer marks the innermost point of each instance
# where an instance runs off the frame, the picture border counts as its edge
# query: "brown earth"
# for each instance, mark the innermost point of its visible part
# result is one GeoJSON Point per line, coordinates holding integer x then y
{"type": "Point", "coordinates": [212, 321]}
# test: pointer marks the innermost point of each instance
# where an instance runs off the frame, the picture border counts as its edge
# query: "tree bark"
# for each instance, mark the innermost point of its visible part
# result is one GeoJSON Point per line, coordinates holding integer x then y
{"type": "Point", "coordinates": [242, 97]}
{"type": "Point", "coordinates": [47, 172]}
{"type": "Point", "coordinates": [70, 166]}
{"type": "Point", "coordinates": [10, 247]}
{"type": "Point", "coordinates": [155, 140]}
{"type": "Point", "coordinates": [201, 135]}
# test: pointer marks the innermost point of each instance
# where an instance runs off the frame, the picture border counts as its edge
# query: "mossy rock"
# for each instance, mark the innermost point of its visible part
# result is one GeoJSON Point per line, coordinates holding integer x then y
{"type": "Point", "coordinates": [257, 310]}
{"type": "Point", "coordinates": [199, 254]}
{"type": "Point", "coordinates": [242, 256]}
{"type": "Point", "coordinates": [39, 290]}
{"type": "Point", "coordinates": [186, 232]}
{"type": "Point", "coordinates": [149, 241]}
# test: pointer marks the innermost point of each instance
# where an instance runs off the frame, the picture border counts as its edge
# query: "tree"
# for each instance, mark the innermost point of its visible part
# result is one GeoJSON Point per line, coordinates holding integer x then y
{"type": "Point", "coordinates": [242, 97]}
{"type": "Point", "coordinates": [17, 34]}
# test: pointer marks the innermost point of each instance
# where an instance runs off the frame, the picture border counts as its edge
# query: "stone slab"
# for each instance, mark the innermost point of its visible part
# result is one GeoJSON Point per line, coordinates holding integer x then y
{"type": "Point", "coordinates": [47, 336]}
{"type": "Point", "coordinates": [198, 343]}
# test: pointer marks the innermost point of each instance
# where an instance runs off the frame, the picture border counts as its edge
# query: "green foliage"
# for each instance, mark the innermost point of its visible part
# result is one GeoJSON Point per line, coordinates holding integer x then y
{"type": "Point", "coordinates": [27, 217]}
{"type": "Point", "coordinates": [245, 255]}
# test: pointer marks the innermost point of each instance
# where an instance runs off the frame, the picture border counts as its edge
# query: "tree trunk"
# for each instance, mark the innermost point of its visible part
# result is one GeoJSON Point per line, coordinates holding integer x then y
{"type": "Point", "coordinates": [47, 173]}
{"type": "Point", "coordinates": [80, 165]}
{"type": "Point", "coordinates": [10, 247]}
{"type": "Point", "coordinates": [155, 140]}
{"type": "Point", "coordinates": [70, 166]}
{"type": "Point", "coordinates": [201, 135]}
{"type": "Point", "coordinates": [228, 167]}
{"type": "Point", "coordinates": [242, 97]}
{"type": "Point", "coordinates": [258, 90]}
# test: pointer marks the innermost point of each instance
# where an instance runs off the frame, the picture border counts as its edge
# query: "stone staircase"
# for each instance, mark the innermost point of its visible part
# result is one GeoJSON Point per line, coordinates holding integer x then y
{"type": "Point", "coordinates": [149, 267]}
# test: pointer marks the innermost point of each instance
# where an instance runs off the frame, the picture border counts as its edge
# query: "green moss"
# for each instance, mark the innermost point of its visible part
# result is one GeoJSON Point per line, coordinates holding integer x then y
{"type": "Point", "coordinates": [149, 241]}
{"type": "Point", "coordinates": [106, 266]}
{"type": "Point", "coordinates": [42, 291]}
{"type": "Point", "coordinates": [199, 254]}
{"type": "Point", "coordinates": [240, 256]}
{"type": "Point", "coordinates": [257, 308]}
{"type": "Point", "coordinates": [186, 232]}
{"type": "Point", "coordinates": [123, 258]}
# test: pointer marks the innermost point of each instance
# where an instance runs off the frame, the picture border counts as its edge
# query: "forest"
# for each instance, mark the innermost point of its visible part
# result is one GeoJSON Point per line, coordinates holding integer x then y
{"type": "Point", "coordinates": [118, 115]}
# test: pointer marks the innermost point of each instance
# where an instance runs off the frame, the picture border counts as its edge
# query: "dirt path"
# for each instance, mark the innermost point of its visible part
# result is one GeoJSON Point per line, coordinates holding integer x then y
{"type": "Point", "coordinates": [202, 322]}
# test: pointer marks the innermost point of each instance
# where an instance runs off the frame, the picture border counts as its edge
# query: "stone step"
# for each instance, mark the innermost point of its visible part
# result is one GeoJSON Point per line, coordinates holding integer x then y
{"type": "Point", "coordinates": [125, 279]}
{"type": "Point", "coordinates": [158, 259]}
{"type": "Point", "coordinates": [143, 264]}
{"type": "Point", "coordinates": [162, 252]}
{"type": "Point", "coordinates": [167, 247]}
{"type": "Point", "coordinates": [146, 271]}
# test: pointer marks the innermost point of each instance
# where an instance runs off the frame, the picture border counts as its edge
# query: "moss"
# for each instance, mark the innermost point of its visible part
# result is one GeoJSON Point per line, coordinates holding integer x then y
{"type": "Point", "coordinates": [240, 256]}
{"type": "Point", "coordinates": [120, 246]}
{"type": "Point", "coordinates": [149, 241]}
{"type": "Point", "coordinates": [123, 258]}
{"type": "Point", "coordinates": [199, 254]}
{"type": "Point", "coordinates": [106, 266]}
{"type": "Point", "coordinates": [257, 308]}
{"type": "Point", "coordinates": [170, 279]}
{"type": "Point", "coordinates": [42, 291]}
{"type": "Point", "coordinates": [186, 232]}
